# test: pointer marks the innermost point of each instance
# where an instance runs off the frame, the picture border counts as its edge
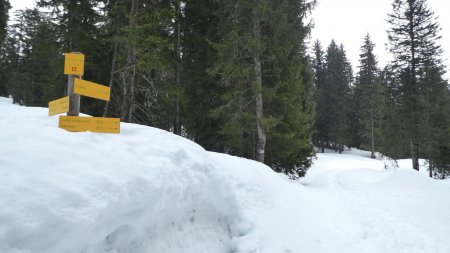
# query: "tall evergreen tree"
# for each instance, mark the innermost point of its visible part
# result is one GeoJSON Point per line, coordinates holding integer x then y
{"type": "Point", "coordinates": [35, 76]}
{"type": "Point", "coordinates": [393, 139]}
{"type": "Point", "coordinates": [413, 37]}
{"type": "Point", "coordinates": [320, 125]}
{"type": "Point", "coordinates": [338, 76]}
{"type": "Point", "coordinates": [4, 9]}
{"type": "Point", "coordinates": [290, 97]}
{"type": "Point", "coordinates": [4, 17]}
{"type": "Point", "coordinates": [368, 97]}
{"type": "Point", "coordinates": [435, 122]}
{"type": "Point", "coordinates": [200, 29]}
{"type": "Point", "coordinates": [268, 85]}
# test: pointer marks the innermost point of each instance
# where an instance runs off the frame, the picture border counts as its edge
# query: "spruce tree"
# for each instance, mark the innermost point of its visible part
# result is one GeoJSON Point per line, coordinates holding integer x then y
{"type": "Point", "coordinates": [435, 123]}
{"type": "Point", "coordinates": [338, 76]}
{"type": "Point", "coordinates": [413, 37]}
{"type": "Point", "coordinates": [368, 97]}
{"type": "Point", "coordinates": [320, 125]}
{"type": "Point", "coordinates": [267, 81]}
{"type": "Point", "coordinates": [4, 9]}
{"type": "Point", "coordinates": [393, 139]}
{"type": "Point", "coordinates": [200, 30]}
{"type": "Point", "coordinates": [4, 17]}
{"type": "Point", "coordinates": [290, 97]}
{"type": "Point", "coordinates": [35, 75]}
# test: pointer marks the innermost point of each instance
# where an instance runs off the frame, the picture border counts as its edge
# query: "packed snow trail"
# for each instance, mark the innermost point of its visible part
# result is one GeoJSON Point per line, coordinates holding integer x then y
{"type": "Point", "coordinates": [392, 210]}
{"type": "Point", "coordinates": [147, 190]}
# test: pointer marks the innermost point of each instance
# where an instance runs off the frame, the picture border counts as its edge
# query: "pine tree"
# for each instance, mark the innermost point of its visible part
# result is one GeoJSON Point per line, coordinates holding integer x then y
{"type": "Point", "coordinates": [393, 140]}
{"type": "Point", "coordinates": [4, 9]}
{"type": "Point", "coordinates": [413, 40]}
{"type": "Point", "coordinates": [435, 123]}
{"type": "Point", "coordinates": [368, 97]}
{"type": "Point", "coordinates": [267, 82]}
{"type": "Point", "coordinates": [239, 66]}
{"type": "Point", "coordinates": [35, 76]}
{"type": "Point", "coordinates": [320, 130]}
{"type": "Point", "coordinates": [290, 97]}
{"type": "Point", "coordinates": [337, 96]}
{"type": "Point", "coordinates": [202, 92]}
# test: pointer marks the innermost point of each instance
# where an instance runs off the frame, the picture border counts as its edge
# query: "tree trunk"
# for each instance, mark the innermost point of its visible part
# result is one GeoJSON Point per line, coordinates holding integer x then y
{"type": "Point", "coordinates": [261, 135]}
{"type": "Point", "coordinates": [413, 90]}
{"type": "Point", "coordinates": [430, 168]}
{"type": "Point", "coordinates": [372, 135]}
{"type": "Point", "coordinates": [111, 75]}
{"type": "Point", "coordinates": [177, 125]}
{"type": "Point", "coordinates": [127, 107]}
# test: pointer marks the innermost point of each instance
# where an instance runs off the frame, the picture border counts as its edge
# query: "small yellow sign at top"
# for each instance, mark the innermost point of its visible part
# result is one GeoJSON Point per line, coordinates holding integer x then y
{"type": "Point", "coordinates": [74, 64]}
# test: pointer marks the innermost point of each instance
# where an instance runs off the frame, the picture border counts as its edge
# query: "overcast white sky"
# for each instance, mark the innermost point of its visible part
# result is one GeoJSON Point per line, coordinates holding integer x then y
{"type": "Point", "coordinates": [348, 21]}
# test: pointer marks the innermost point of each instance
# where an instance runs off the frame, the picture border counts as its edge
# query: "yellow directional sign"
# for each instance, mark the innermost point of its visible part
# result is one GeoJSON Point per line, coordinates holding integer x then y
{"type": "Point", "coordinates": [105, 125]}
{"type": "Point", "coordinates": [74, 64]}
{"type": "Point", "coordinates": [92, 124]}
{"type": "Point", "coordinates": [75, 123]}
{"type": "Point", "coordinates": [58, 106]}
{"type": "Point", "coordinates": [91, 89]}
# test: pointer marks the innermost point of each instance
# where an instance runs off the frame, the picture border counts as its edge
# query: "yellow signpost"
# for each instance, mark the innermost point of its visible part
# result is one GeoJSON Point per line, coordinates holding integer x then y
{"type": "Point", "coordinates": [90, 89]}
{"type": "Point", "coordinates": [74, 64]}
{"type": "Point", "coordinates": [58, 106]}
{"type": "Point", "coordinates": [92, 124]}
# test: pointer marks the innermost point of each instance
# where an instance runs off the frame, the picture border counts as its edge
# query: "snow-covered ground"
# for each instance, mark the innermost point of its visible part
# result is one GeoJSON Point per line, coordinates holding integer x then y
{"type": "Point", "coordinates": [147, 190]}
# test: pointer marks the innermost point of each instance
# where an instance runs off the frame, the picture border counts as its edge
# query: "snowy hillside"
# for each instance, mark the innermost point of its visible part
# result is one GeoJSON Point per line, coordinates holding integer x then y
{"type": "Point", "coordinates": [147, 190]}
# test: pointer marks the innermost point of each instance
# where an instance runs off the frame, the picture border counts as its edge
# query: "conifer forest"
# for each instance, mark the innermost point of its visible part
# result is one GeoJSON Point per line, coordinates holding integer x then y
{"type": "Point", "coordinates": [241, 77]}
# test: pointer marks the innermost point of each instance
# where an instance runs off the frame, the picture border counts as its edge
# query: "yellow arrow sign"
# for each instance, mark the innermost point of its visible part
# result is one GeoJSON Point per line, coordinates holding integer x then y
{"type": "Point", "coordinates": [58, 106]}
{"type": "Point", "coordinates": [74, 64]}
{"type": "Point", "coordinates": [90, 89]}
{"type": "Point", "coordinates": [92, 124]}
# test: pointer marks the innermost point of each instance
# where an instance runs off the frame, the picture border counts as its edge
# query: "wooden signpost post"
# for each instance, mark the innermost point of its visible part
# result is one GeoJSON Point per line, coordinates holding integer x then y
{"type": "Point", "coordinates": [74, 67]}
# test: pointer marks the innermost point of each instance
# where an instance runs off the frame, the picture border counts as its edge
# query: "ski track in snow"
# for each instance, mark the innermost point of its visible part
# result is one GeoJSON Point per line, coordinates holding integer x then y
{"type": "Point", "coordinates": [376, 225]}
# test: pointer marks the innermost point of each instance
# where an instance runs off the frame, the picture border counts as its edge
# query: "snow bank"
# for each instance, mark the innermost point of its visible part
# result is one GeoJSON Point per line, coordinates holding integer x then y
{"type": "Point", "coordinates": [145, 190]}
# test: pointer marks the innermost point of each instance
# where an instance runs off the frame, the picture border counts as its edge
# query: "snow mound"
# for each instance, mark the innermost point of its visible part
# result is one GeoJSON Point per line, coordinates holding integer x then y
{"type": "Point", "coordinates": [145, 190]}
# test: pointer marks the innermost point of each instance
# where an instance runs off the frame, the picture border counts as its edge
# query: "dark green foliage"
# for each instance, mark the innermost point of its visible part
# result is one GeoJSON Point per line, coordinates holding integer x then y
{"type": "Point", "coordinates": [4, 8]}
{"type": "Point", "coordinates": [367, 97]}
{"type": "Point", "coordinates": [336, 97]}
{"type": "Point", "coordinates": [290, 102]}
{"type": "Point", "coordinates": [435, 122]}
{"type": "Point", "coordinates": [34, 74]}
{"type": "Point", "coordinates": [320, 137]}
{"type": "Point", "coordinates": [413, 40]}
{"type": "Point", "coordinates": [201, 89]}
{"type": "Point", "coordinates": [4, 17]}
{"type": "Point", "coordinates": [286, 81]}
{"type": "Point", "coordinates": [393, 142]}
